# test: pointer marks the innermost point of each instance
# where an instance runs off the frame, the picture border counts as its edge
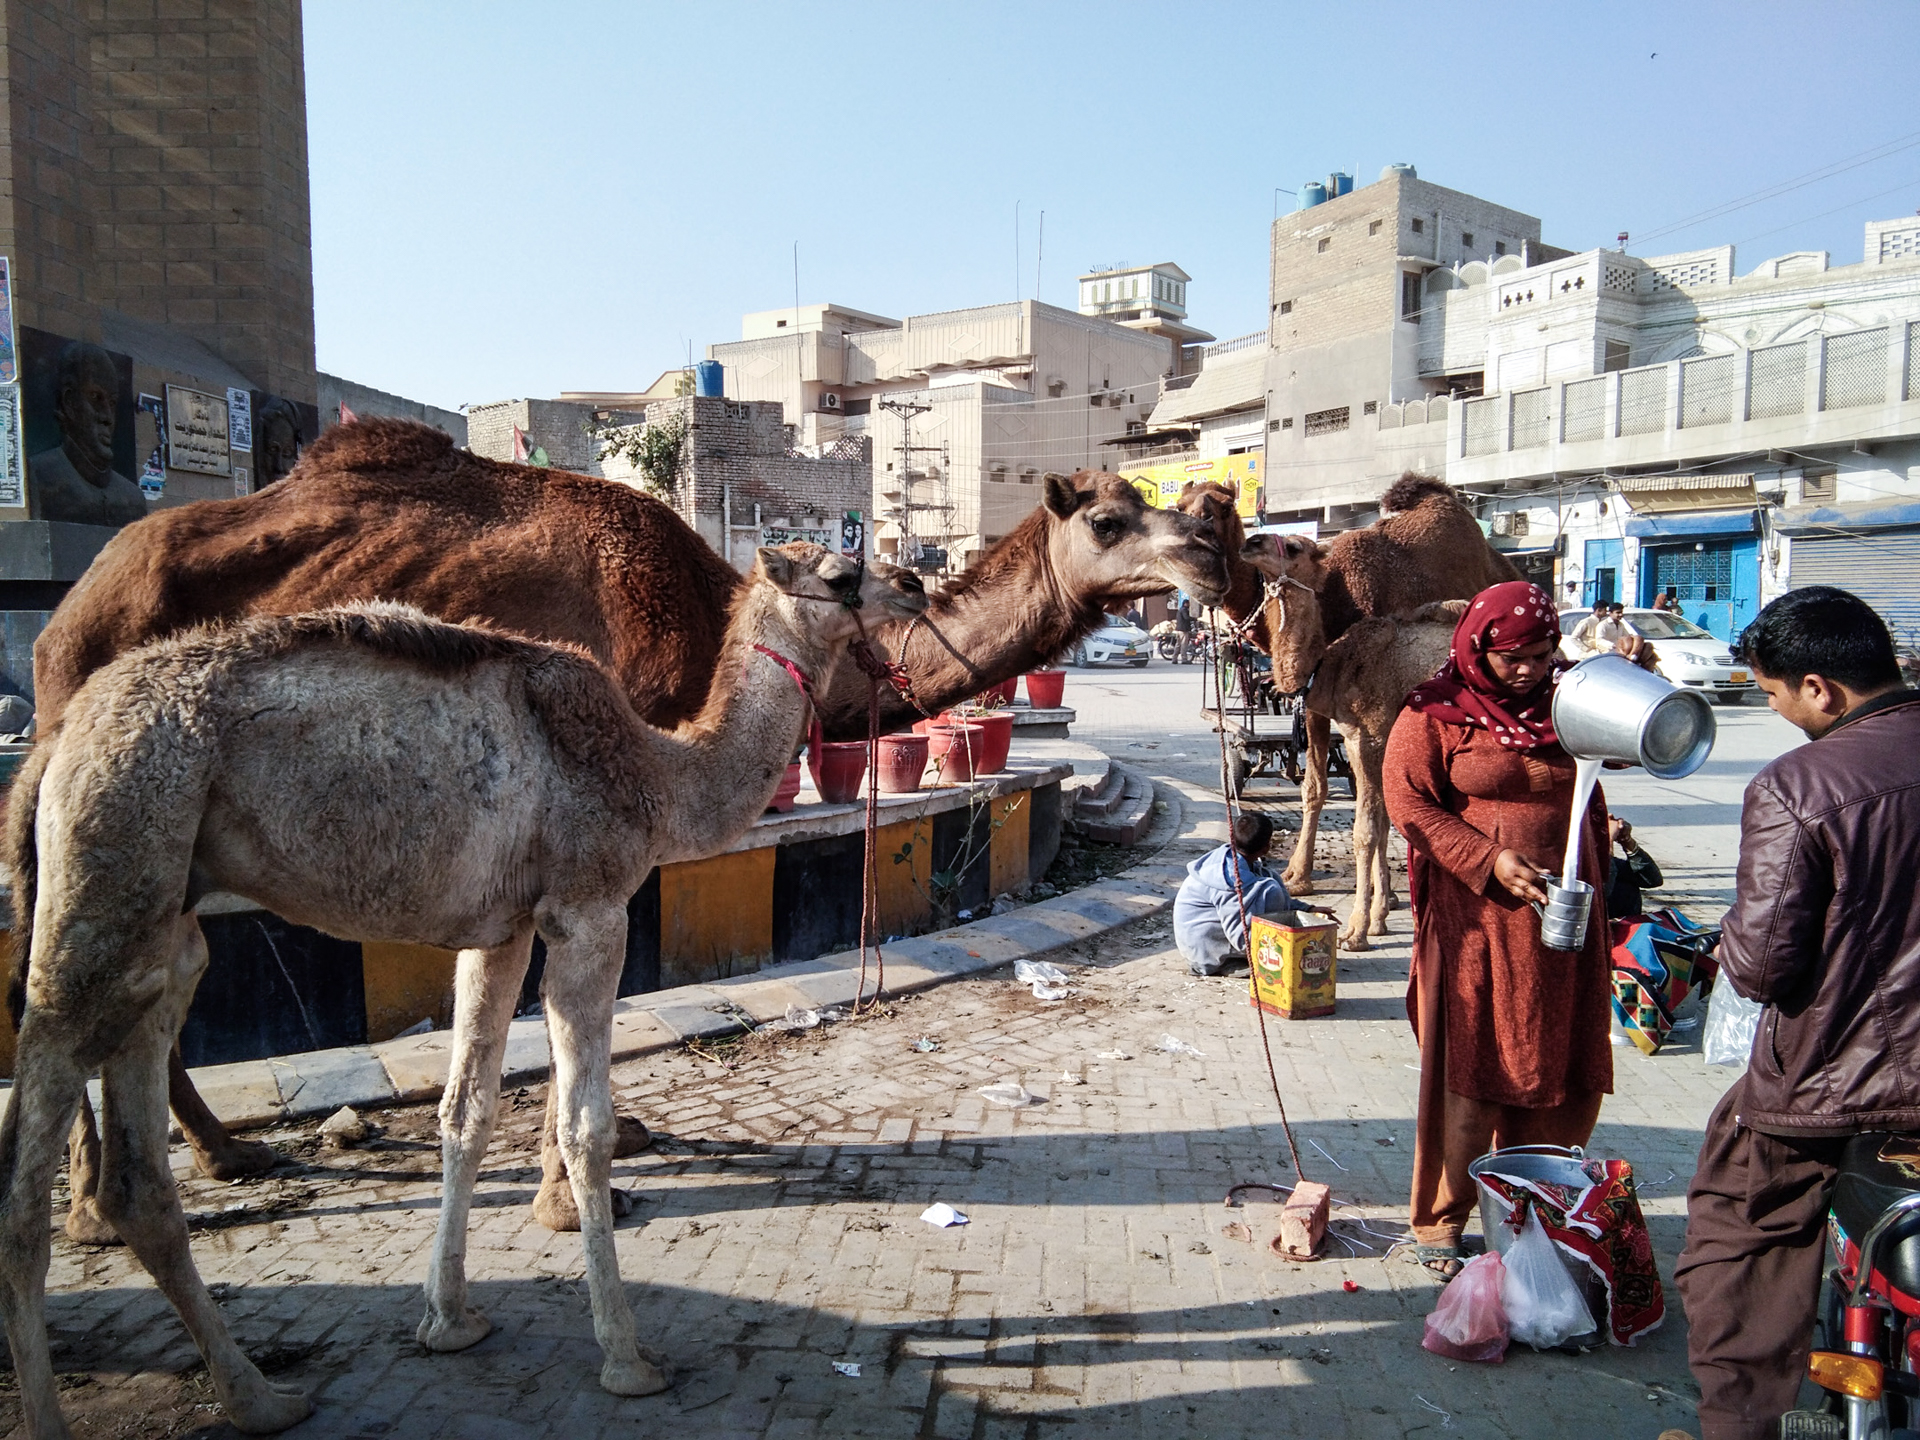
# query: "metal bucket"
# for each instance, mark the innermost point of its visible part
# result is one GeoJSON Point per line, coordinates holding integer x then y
{"type": "Point", "coordinates": [1608, 708]}
{"type": "Point", "coordinates": [1556, 1164]}
{"type": "Point", "coordinates": [1563, 919]}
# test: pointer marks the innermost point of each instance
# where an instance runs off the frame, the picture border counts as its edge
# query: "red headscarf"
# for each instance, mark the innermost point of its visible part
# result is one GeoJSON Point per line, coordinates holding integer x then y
{"type": "Point", "coordinates": [1502, 617]}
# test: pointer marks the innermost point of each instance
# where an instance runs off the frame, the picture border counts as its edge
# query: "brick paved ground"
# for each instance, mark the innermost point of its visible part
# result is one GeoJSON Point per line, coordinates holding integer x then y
{"type": "Point", "coordinates": [1093, 1294]}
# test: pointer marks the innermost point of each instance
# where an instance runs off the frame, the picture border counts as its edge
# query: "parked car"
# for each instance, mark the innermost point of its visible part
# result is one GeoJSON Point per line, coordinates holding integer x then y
{"type": "Point", "coordinates": [1685, 654]}
{"type": "Point", "coordinates": [1115, 643]}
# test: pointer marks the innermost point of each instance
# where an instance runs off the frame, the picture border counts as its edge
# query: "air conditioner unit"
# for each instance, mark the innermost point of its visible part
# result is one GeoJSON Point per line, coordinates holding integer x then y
{"type": "Point", "coordinates": [829, 400]}
{"type": "Point", "coordinates": [1503, 523]}
{"type": "Point", "coordinates": [1519, 522]}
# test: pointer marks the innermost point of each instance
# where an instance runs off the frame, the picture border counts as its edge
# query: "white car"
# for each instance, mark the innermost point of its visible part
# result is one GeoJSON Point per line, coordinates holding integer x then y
{"type": "Point", "coordinates": [1685, 654]}
{"type": "Point", "coordinates": [1115, 643]}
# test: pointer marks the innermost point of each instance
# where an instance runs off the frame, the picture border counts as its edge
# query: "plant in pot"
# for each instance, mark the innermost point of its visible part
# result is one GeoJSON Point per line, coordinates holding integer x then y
{"type": "Point", "coordinates": [838, 767]}
{"type": "Point", "coordinates": [957, 745]}
{"type": "Point", "coordinates": [996, 725]}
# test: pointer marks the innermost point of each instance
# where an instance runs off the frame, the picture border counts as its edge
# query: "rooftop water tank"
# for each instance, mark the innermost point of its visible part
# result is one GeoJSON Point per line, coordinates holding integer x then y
{"type": "Point", "coordinates": [710, 379]}
{"type": "Point", "coordinates": [1339, 183]}
{"type": "Point", "coordinates": [1403, 170]}
{"type": "Point", "coordinates": [1311, 194]}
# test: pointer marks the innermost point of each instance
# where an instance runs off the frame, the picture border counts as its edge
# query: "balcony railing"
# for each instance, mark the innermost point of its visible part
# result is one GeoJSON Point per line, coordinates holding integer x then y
{"type": "Point", "coordinates": [1817, 375]}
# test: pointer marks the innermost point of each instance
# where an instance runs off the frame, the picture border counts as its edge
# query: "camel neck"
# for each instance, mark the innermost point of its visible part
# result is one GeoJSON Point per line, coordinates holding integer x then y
{"type": "Point", "coordinates": [735, 751]}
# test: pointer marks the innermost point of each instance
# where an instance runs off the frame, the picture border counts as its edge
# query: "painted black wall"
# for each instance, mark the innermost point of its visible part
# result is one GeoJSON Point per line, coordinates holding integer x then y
{"type": "Point", "coordinates": [273, 988]}
{"type": "Point", "coordinates": [816, 897]}
{"type": "Point", "coordinates": [640, 975]}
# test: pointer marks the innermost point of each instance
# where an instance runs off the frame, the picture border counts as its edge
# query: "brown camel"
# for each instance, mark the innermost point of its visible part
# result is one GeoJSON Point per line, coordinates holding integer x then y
{"type": "Point", "coordinates": [389, 509]}
{"type": "Point", "coordinates": [1428, 549]}
{"type": "Point", "coordinates": [378, 774]}
{"type": "Point", "coordinates": [1362, 686]}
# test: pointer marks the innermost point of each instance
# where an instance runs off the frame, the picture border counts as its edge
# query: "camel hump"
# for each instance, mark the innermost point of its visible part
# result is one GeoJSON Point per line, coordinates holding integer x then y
{"type": "Point", "coordinates": [377, 444]}
{"type": "Point", "coordinates": [1413, 489]}
{"type": "Point", "coordinates": [385, 628]}
{"type": "Point", "coordinates": [1445, 612]}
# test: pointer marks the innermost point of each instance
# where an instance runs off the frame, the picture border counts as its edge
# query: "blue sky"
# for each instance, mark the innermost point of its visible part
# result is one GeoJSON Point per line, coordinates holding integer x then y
{"type": "Point", "coordinates": [514, 200]}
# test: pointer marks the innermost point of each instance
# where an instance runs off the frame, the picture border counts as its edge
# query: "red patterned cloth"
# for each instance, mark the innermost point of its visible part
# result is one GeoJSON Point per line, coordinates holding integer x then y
{"type": "Point", "coordinates": [1601, 1224]}
{"type": "Point", "coordinates": [1501, 617]}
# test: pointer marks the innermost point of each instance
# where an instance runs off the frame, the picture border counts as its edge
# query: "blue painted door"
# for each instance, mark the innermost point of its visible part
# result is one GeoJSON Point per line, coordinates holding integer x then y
{"type": "Point", "coordinates": [1604, 560]}
{"type": "Point", "coordinates": [1718, 581]}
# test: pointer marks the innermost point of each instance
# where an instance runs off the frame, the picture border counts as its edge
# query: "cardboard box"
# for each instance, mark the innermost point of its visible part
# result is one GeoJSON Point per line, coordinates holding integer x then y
{"type": "Point", "coordinates": [1293, 968]}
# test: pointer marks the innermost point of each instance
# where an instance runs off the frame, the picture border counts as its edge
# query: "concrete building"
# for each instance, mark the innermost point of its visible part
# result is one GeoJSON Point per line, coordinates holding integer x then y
{"type": "Point", "coordinates": [1149, 298]}
{"type": "Point", "coordinates": [965, 409]}
{"type": "Point", "coordinates": [364, 402]}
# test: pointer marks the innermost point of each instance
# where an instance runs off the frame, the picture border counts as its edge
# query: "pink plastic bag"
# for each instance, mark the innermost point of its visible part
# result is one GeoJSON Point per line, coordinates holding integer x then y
{"type": "Point", "coordinates": [1470, 1323]}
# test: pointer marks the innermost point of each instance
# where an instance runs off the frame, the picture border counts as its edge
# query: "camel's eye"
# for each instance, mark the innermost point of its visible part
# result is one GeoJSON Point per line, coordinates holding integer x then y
{"type": "Point", "coordinates": [1107, 529]}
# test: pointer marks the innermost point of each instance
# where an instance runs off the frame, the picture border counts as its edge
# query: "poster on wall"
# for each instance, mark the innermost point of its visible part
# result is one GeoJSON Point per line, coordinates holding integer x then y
{"type": "Point", "coordinates": [153, 474]}
{"type": "Point", "coordinates": [197, 432]}
{"type": "Point", "coordinates": [1160, 485]}
{"type": "Point", "coordinates": [13, 461]}
{"type": "Point", "coordinates": [76, 409]}
{"type": "Point", "coordinates": [239, 418]}
{"type": "Point", "coordinates": [9, 353]}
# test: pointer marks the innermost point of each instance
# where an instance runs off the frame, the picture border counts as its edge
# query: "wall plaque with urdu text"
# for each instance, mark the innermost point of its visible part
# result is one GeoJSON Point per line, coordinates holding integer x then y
{"type": "Point", "coordinates": [197, 432]}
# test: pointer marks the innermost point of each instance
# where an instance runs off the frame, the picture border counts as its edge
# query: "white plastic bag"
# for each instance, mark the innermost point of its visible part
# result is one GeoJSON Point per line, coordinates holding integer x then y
{"type": "Point", "coordinates": [1544, 1307]}
{"type": "Point", "coordinates": [1732, 1020]}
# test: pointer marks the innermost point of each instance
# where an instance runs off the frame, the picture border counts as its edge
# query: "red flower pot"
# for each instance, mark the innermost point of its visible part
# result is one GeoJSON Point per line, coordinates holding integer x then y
{"type": "Point", "coordinates": [1045, 688]}
{"type": "Point", "coordinates": [903, 761]}
{"type": "Point", "coordinates": [789, 787]}
{"type": "Point", "coordinates": [996, 739]}
{"type": "Point", "coordinates": [958, 748]}
{"type": "Point", "coordinates": [838, 769]}
{"type": "Point", "coordinates": [1004, 691]}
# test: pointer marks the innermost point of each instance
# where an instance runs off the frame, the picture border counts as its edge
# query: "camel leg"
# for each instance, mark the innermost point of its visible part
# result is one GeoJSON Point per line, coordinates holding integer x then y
{"type": "Point", "coordinates": [138, 1196]}
{"type": "Point", "coordinates": [49, 1086]}
{"type": "Point", "coordinates": [1313, 799]}
{"type": "Point", "coordinates": [1373, 754]}
{"type": "Point", "coordinates": [553, 1205]}
{"type": "Point", "coordinates": [85, 1224]}
{"type": "Point", "coordinates": [486, 985]}
{"type": "Point", "coordinates": [585, 949]}
{"type": "Point", "coordinates": [1369, 819]}
{"type": "Point", "coordinates": [216, 1154]}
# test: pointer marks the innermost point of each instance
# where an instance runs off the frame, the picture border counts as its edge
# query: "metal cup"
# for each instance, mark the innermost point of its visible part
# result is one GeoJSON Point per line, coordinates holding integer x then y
{"type": "Point", "coordinates": [1608, 708]}
{"type": "Point", "coordinates": [1563, 919]}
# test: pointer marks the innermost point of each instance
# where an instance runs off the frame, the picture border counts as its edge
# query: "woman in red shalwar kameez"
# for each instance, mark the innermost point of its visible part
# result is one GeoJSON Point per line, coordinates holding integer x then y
{"type": "Point", "coordinates": [1513, 1037]}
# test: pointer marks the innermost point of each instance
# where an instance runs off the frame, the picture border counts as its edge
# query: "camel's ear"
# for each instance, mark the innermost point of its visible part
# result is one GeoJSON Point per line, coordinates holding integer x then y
{"type": "Point", "coordinates": [1062, 498]}
{"type": "Point", "coordinates": [777, 566]}
{"type": "Point", "coordinates": [1185, 491]}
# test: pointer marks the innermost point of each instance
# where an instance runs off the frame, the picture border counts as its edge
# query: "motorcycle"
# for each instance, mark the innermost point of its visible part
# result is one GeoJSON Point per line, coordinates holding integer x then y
{"type": "Point", "coordinates": [1869, 1360]}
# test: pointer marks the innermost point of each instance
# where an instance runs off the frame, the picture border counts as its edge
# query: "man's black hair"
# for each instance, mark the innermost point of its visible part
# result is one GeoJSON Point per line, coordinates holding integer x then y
{"type": "Point", "coordinates": [1252, 833]}
{"type": "Point", "coordinates": [1822, 630]}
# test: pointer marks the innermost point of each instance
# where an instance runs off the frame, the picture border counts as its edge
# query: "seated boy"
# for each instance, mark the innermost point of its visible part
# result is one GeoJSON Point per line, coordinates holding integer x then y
{"type": "Point", "coordinates": [1206, 912]}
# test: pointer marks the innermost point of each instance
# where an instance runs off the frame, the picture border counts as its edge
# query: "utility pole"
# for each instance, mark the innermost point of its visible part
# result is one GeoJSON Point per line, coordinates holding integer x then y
{"type": "Point", "coordinates": [906, 410]}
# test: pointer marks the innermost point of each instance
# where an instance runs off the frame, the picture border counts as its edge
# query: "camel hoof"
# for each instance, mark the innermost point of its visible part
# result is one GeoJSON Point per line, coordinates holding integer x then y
{"type": "Point", "coordinates": [1297, 885]}
{"type": "Point", "coordinates": [553, 1207]}
{"type": "Point", "coordinates": [631, 1377]}
{"type": "Point", "coordinates": [236, 1160]}
{"type": "Point", "coordinates": [268, 1409]}
{"type": "Point", "coordinates": [1355, 940]}
{"type": "Point", "coordinates": [630, 1137]}
{"type": "Point", "coordinates": [87, 1226]}
{"type": "Point", "coordinates": [443, 1337]}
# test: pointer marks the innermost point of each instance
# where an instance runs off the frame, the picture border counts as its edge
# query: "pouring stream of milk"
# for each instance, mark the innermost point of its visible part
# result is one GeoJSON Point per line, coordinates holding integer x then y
{"type": "Point", "coordinates": [1585, 773]}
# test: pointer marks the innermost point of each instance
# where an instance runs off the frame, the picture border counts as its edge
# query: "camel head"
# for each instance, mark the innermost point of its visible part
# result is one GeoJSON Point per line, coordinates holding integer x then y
{"type": "Point", "coordinates": [827, 598]}
{"type": "Point", "coordinates": [1218, 506]}
{"type": "Point", "coordinates": [1295, 570]}
{"type": "Point", "coordinates": [1105, 543]}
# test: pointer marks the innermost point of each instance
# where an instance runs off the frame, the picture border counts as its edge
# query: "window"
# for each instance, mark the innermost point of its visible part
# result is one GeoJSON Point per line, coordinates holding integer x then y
{"type": "Point", "coordinates": [1374, 228]}
{"type": "Point", "coordinates": [779, 324]}
{"type": "Point", "coordinates": [1419, 227]}
{"type": "Point", "coordinates": [1466, 238]}
{"type": "Point", "coordinates": [1325, 422]}
{"type": "Point", "coordinates": [1372, 407]}
{"type": "Point", "coordinates": [1027, 477]}
{"type": "Point", "coordinates": [1410, 295]}
{"type": "Point", "coordinates": [1616, 356]}
{"type": "Point", "coordinates": [1273, 424]}
{"type": "Point", "coordinates": [1286, 307]}
{"type": "Point", "coordinates": [1286, 422]}
{"type": "Point", "coordinates": [1499, 247]}
{"type": "Point", "coordinates": [1321, 248]}
{"type": "Point", "coordinates": [1816, 486]}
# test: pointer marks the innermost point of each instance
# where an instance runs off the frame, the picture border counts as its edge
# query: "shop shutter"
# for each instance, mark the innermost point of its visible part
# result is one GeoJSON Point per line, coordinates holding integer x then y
{"type": "Point", "coordinates": [1882, 568]}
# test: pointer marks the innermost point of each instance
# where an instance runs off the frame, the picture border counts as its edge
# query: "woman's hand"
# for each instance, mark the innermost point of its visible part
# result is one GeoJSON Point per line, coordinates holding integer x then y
{"type": "Point", "coordinates": [1519, 876]}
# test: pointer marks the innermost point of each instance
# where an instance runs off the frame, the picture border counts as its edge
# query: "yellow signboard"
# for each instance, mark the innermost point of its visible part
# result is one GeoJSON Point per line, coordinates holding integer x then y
{"type": "Point", "coordinates": [1160, 485]}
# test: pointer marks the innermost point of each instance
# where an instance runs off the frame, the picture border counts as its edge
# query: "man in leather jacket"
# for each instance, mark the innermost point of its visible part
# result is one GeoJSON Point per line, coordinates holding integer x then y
{"type": "Point", "coordinates": [1825, 931]}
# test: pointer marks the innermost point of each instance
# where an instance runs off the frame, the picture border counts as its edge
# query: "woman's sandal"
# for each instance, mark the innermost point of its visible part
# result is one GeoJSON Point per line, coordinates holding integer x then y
{"type": "Point", "coordinates": [1443, 1260]}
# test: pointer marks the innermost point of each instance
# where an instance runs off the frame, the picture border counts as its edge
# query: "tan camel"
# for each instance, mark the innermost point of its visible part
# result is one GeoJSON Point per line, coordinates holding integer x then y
{"type": "Point", "coordinates": [377, 774]}
{"type": "Point", "coordinates": [1362, 686]}
{"type": "Point", "coordinates": [390, 510]}
{"type": "Point", "coordinates": [1428, 549]}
